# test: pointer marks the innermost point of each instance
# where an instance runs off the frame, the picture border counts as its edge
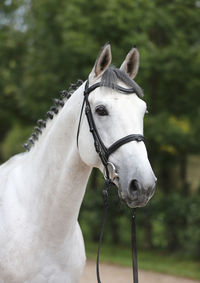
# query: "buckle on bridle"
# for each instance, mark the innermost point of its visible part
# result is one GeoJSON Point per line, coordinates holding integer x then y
{"type": "Point", "coordinates": [111, 171]}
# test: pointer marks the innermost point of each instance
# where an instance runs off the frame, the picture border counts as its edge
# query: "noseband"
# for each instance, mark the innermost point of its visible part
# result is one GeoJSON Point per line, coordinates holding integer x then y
{"type": "Point", "coordinates": [110, 173]}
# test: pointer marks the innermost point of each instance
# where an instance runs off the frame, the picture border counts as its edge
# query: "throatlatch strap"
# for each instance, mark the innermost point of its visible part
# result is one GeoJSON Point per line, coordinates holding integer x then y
{"type": "Point", "coordinates": [79, 123]}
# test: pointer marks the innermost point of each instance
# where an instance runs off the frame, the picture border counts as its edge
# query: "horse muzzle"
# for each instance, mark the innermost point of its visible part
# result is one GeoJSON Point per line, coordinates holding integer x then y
{"type": "Point", "coordinates": [137, 195]}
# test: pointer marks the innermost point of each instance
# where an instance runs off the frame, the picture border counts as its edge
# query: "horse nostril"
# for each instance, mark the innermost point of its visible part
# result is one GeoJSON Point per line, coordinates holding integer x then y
{"type": "Point", "coordinates": [134, 186]}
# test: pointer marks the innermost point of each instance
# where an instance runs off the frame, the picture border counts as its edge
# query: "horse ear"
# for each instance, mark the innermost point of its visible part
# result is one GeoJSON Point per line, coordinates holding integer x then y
{"type": "Point", "coordinates": [131, 63]}
{"type": "Point", "coordinates": [102, 62]}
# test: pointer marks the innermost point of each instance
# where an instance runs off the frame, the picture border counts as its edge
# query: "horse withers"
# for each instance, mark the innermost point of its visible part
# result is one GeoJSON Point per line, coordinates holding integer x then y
{"type": "Point", "coordinates": [41, 190]}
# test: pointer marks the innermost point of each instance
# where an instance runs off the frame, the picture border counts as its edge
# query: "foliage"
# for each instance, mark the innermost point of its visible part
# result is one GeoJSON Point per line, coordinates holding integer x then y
{"type": "Point", "coordinates": [191, 236]}
{"type": "Point", "coordinates": [14, 139]}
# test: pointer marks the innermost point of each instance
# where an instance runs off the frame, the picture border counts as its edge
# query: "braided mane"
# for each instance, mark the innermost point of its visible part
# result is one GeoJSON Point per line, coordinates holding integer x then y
{"type": "Point", "coordinates": [54, 110]}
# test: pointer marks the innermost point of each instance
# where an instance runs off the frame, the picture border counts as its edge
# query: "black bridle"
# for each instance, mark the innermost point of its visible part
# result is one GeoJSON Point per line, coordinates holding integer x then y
{"type": "Point", "coordinates": [109, 168]}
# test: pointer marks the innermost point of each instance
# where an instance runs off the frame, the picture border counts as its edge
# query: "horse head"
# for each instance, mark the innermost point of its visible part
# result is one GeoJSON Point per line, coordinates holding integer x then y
{"type": "Point", "coordinates": [117, 111]}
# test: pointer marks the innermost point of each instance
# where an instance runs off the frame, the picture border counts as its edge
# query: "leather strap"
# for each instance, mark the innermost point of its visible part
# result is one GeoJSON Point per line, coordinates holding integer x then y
{"type": "Point", "coordinates": [98, 143]}
{"type": "Point", "coordinates": [79, 122]}
{"type": "Point", "coordinates": [133, 234]}
{"type": "Point", "coordinates": [105, 212]}
{"type": "Point", "coordinates": [134, 248]}
{"type": "Point", "coordinates": [124, 140]}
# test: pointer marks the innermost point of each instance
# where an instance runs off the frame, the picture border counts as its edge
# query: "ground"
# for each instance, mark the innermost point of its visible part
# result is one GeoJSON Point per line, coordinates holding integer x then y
{"type": "Point", "coordinates": [117, 274]}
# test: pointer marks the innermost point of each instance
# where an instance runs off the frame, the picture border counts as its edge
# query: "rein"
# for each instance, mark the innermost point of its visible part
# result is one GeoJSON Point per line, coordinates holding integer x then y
{"type": "Point", "coordinates": [110, 173]}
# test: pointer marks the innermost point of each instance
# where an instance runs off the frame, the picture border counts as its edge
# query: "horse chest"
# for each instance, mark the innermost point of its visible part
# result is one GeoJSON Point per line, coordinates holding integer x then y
{"type": "Point", "coordinates": [31, 260]}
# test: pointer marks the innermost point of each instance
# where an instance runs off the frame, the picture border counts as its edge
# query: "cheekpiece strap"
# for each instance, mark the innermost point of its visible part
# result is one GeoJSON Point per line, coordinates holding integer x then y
{"type": "Point", "coordinates": [98, 143]}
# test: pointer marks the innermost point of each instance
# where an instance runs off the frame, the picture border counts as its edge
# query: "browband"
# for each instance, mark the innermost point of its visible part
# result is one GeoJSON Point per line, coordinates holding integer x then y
{"type": "Point", "coordinates": [115, 86]}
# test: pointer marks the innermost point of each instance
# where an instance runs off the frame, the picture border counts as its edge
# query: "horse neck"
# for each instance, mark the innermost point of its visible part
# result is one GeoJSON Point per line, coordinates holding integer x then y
{"type": "Point", "coordinates": [56, 173]}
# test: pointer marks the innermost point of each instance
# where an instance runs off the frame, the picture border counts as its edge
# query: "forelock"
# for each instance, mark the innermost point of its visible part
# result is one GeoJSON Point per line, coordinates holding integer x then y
{"type": "Point", "coordinates": [112, 75]}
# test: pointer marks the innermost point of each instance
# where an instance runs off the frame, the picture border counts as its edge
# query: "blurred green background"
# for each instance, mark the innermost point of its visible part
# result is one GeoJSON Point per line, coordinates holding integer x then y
{"type": "Point", "coordinates": [46, 44]}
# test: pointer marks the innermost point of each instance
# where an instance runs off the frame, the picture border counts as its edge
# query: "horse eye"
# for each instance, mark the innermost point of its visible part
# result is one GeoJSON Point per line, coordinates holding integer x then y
{"type": "Point", "coordinates": [101, 110]}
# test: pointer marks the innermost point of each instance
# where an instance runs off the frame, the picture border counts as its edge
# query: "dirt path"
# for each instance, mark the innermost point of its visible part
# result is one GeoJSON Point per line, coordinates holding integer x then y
{"type": "Point", "coordinates": [118, 274]}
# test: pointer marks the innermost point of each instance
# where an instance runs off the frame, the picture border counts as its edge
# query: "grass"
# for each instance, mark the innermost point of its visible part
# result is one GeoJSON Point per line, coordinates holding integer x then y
{"type": "Point", "coordinates": [154, 261]}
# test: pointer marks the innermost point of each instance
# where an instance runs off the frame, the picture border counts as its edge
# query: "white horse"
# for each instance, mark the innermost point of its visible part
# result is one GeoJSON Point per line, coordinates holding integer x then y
{"type": "Point", "coordinates": [41, 190]}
